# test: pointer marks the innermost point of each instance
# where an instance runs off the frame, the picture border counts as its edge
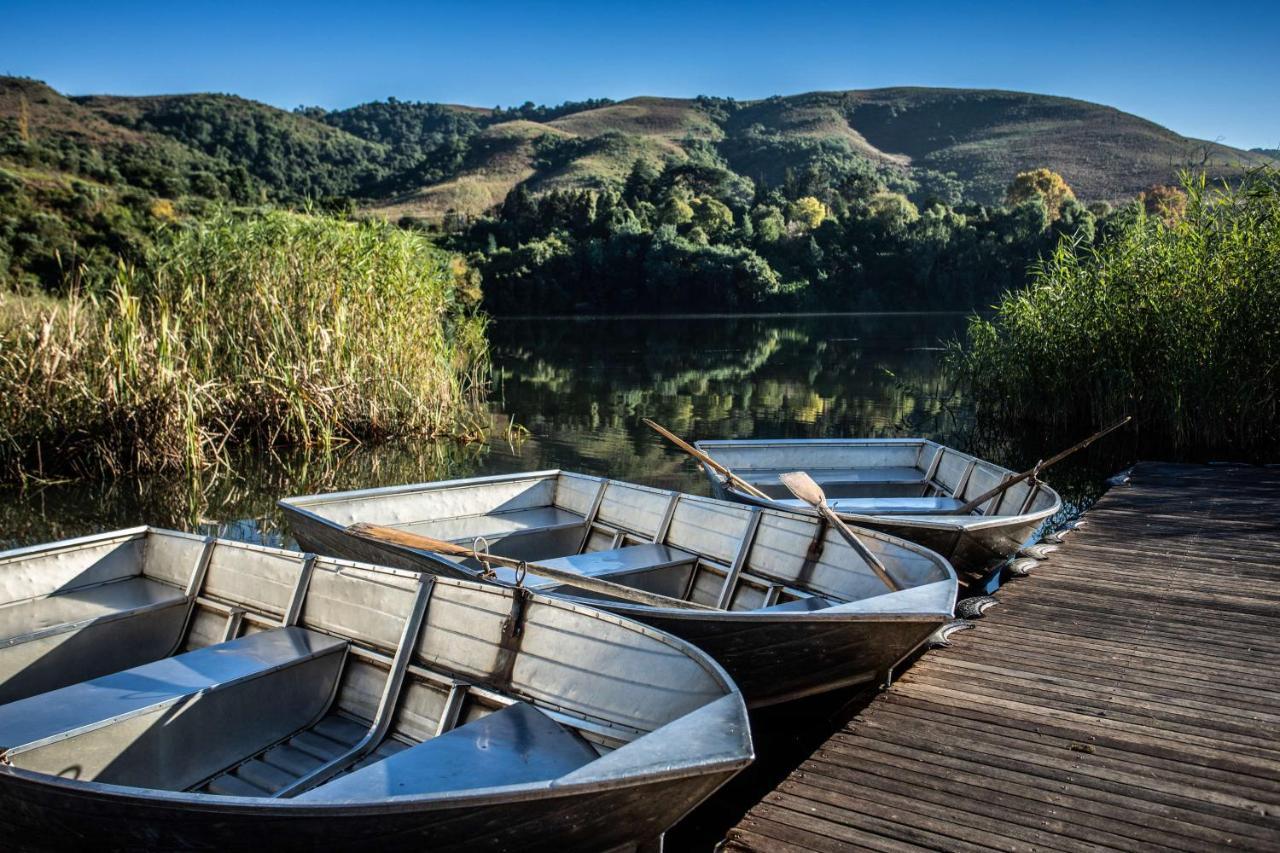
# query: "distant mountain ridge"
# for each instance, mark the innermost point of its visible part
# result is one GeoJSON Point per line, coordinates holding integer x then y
{"type": "Point", "coordinates": [423, 160]}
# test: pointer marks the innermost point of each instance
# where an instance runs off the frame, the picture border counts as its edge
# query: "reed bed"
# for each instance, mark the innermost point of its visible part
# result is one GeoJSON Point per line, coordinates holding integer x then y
{"type": "Point", "coordinates": [1175, 323]}
{"type": "Point", "coordinates": [283, 328]}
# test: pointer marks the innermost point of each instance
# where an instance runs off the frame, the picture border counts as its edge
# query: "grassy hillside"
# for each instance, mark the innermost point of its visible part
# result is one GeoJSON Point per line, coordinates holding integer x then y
{"type": "Point", "coordinates": [970, 139]}
{"type": "Point", "coordinates": [986, 136]}
{"type": "Point", "coordinates": [404, 158]}
{"type": "Point", "coordinates": [83, 177]}
{"type": "Point", "coordinates": [41, 128]}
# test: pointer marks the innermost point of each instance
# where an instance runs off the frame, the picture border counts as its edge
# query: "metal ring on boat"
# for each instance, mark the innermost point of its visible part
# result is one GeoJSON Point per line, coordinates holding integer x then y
{"type": "Point", "coordinates": [476, 548]}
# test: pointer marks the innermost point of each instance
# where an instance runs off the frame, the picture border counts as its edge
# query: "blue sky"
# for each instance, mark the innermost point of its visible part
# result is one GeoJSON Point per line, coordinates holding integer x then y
{"type": "Point", "coordinates": [1210, 70]}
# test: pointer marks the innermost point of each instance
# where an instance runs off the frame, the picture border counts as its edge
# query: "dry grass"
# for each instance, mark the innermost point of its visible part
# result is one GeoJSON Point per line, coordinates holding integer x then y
{"type": "Point", "coordinates": [667, 118]}
{"type": "Point", "coordinates": [280, 328]}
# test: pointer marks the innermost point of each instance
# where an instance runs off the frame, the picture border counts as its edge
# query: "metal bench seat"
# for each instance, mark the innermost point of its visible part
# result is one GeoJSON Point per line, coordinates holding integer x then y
{"type": "Point", "coordinates": [666, 570]}
{"type": "Point", "coordinates": [517, 745]}
{"type": "Point", "coordinates": [67, 610]}
{"type": "Point", "coordinates": [837, 476]}
{"type": "Point", "coordinates": [799, 605]}
{"type": "Point", "coordinates": [173, 723]}
{"type": "Point", "coordinates": [886, 506]}
{"type": "Point", "coordinates": [55, 640]}
{"type": "Point", "coordinates": [495, 525]}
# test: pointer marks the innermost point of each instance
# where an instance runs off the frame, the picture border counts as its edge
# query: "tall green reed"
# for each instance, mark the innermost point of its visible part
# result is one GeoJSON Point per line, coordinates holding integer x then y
{"type": "Point", "coordinates": [1177, 324]}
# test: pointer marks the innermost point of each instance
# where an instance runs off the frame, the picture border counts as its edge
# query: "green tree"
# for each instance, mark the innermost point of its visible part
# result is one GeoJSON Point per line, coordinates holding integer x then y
{"type": "Point", "coordinates": [769, 223]}
{"type": "Point", "coordinates": [640, 181]}
{"type": "Point", "coordinates": [675, 211]}
{"type": "Point", "coordinates": [712, 216]}
{"type": "Point", "coordinates": [893, 212]}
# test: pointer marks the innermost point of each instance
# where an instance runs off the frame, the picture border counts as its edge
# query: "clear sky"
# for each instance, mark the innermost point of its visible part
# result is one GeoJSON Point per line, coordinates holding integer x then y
{"type": "Point", "coordinates": [1205, 69]}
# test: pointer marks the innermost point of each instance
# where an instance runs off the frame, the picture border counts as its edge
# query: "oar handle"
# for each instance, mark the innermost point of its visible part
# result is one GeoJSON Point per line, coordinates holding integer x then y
{"type": "Point", "coordinates": [396, 536]}
{"type": "Point", "coordinates": [688, 448]}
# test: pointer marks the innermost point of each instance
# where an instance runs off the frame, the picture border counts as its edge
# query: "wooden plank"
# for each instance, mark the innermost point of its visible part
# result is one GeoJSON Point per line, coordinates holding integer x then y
{"type": "Point", "coordinates": [955, 724]}
{"type": "Point", "coordinates": [1125, 695]}
{"type": "Point", "coordinates": [1079, 816]}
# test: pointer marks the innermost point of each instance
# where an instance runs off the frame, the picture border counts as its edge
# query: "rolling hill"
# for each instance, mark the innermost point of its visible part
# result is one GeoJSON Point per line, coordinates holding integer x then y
{"type": "Point", "coordinates": [397, 158]}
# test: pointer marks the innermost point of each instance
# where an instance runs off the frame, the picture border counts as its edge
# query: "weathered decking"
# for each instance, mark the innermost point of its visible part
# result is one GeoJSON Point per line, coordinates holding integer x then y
{"type": "Point", "coordinates": [1125, 695]}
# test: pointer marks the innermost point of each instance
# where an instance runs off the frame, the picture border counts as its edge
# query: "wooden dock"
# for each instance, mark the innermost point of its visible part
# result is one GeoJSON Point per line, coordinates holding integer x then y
{"type": "Point", "coordinates": [1124, 696]}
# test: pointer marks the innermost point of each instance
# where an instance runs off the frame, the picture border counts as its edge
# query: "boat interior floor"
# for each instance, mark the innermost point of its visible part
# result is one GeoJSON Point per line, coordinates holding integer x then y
{"type": "Point", "coordinates": [903, 475]}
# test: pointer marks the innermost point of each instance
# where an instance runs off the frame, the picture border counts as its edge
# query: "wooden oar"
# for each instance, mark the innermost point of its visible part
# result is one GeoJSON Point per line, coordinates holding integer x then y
{"type": "Point", "coordinates": [1037, 468]}
{"type": "Point", "coordinates": [394, 535]}
{"type": "Point", "coordinates": [679, 442]}
{"type": "Point", "coordinates": [803, 487]}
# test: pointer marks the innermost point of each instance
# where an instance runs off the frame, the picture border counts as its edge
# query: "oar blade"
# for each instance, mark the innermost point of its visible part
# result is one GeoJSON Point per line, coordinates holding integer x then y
{"type": "Point", "coordinates": [804, 487]}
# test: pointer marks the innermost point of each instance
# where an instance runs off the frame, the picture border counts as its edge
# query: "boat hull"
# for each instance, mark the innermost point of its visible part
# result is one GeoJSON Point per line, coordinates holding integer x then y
{"type": "Point", "coordinates": [774, 661]}
{"type": "Point", "coordinates": [59, 817]}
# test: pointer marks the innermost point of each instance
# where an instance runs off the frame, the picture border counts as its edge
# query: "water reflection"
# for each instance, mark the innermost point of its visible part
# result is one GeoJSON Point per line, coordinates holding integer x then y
{"type": "Point", "coordinates": [580, 387]}
{"type": "Point", "coordinates": [238, 503]}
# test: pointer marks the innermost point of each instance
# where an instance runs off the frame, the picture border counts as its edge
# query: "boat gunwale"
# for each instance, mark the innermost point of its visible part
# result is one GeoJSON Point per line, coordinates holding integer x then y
{"type": "Point", "coordinates": [302, 501]}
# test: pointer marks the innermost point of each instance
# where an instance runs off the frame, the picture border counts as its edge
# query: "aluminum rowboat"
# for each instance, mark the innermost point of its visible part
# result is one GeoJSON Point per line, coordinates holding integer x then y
{"type": "Point", "coordinates": [903, 486]}
{"type": "Point", "coordinates": [170, 691]}
{"type": "Point", "coordinates": [797, 610]}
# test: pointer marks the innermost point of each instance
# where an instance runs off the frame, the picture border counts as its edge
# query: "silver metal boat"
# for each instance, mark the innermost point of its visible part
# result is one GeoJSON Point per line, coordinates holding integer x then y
{"type": "Point", "coordinates": [169, 691]}
{"type": "Point", "coordinates": [796, 611]}
{"type": "Point", "coordinates": [903, 486]}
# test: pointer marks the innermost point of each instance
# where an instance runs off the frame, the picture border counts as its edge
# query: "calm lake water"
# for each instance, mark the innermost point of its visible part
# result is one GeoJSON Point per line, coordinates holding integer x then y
{"type": "Point", "coordinates": [579, 387]}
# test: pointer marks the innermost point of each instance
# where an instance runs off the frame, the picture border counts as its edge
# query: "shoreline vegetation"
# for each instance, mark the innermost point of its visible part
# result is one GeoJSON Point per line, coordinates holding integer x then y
{"type": "Point", "coordinates": [1173, 319]}
{"type": "Point", "coordinates": [275, 328]}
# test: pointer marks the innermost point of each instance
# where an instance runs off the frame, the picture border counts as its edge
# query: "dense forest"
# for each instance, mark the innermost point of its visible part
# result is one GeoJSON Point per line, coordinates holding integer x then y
{"type": "Point", "coordinates": [894, 198]}
{"type": "Point", "coordinates": [695, 236]}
